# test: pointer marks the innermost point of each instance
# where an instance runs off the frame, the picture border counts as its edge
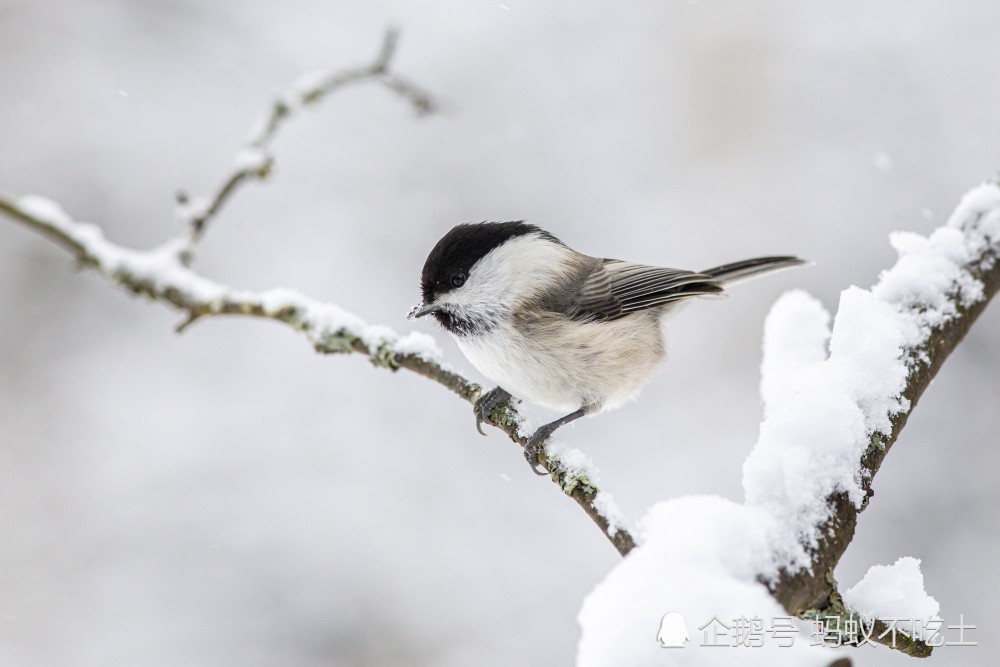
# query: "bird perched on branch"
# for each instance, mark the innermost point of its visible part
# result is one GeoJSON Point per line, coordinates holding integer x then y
{"type": "Point", "coordinates": [556, 327]}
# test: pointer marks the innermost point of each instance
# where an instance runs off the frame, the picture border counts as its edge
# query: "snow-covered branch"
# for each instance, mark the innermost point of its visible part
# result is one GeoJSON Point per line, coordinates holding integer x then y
{"type": "Point", "coordinates": [835, 403]}
{"type": "Point", "coordinates": [886, 346]}
{"type": "Point", "coordinates": [164, 274]}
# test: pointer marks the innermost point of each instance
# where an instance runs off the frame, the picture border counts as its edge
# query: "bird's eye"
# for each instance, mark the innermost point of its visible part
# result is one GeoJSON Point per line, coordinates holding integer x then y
{"type": "Point", "coordinates": [458, 280]}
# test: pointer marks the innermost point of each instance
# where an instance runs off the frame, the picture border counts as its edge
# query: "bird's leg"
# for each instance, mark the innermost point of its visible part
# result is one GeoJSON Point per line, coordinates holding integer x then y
{"type": "Point", "coordinates": [533, 447]}
{"type": "Point", "coordinates": [485, 404]}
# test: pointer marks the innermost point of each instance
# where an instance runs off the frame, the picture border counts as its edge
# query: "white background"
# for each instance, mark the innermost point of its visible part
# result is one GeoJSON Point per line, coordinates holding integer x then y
{"type": "Point", "coordinates": [227, 497]}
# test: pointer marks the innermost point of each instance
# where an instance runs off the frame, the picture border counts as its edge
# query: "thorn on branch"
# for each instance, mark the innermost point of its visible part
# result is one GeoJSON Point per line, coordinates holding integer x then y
{"type": "Point", "coordinates": [388, 50]}
{"type": "Point", "coordinates": [192, 317]}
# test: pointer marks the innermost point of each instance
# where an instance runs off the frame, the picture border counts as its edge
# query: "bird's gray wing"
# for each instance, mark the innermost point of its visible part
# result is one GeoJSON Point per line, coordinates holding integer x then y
{"type": "Point", "coordinates": [613, 289]}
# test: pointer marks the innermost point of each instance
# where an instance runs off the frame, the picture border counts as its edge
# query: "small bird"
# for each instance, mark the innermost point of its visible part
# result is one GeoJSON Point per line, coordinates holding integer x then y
{"type": "Point", "coordinates": [556, 327]}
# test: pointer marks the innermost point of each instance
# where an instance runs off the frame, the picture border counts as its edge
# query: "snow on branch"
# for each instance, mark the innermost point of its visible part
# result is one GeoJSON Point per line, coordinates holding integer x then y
{"type": "Point", "coordinates": [254, 161]}
{"type": "Point", "coordinates": [835, 403]}
{"type": "Point", "coordinates": [886, 346]}
{"type": "Point", "coordinates": [164, 274]}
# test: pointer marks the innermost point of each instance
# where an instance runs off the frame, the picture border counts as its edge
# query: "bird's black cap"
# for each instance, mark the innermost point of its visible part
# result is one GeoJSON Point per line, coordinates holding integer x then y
{"type": "Point", "coordinates": [462, 247]}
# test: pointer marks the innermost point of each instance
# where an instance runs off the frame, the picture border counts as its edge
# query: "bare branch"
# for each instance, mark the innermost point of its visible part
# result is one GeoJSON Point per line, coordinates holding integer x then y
{"type": "Point", "coordinates": [255, 162]}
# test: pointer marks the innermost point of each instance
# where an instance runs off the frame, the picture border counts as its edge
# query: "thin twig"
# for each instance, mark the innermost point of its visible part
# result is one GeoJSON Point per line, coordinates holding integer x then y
{"type": "Point", "coordinates": [255, 162]}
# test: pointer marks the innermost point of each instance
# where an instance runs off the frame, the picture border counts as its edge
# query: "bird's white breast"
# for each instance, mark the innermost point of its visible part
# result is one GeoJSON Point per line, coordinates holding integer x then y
{"type": "Point", "coordinates": [566, 365]}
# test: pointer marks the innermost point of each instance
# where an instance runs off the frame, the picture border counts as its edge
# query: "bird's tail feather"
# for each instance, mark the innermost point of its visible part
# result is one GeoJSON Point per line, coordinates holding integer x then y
{"type": "Point", "coordinates": [737, 272]}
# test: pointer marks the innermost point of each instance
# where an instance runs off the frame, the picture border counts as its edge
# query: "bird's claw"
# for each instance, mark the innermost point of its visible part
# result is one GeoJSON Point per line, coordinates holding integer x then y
{"type": "Point", "coordinates": [534, 450]}
{"type": "Point", "coordinates": [534, 447]}
{"type": "Point", "coordinates": [485, 404]}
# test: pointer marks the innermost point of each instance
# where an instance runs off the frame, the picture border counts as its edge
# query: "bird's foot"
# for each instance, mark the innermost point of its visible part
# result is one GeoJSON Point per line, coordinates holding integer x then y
{"type": "Point", "coordinates": [486, 403]}
{"type": "Point", "coordinates": [534, 449]}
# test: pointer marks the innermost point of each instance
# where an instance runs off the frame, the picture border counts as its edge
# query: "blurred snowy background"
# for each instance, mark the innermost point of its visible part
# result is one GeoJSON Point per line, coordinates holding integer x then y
{"type": "Point", "coordinates": [227, 497]}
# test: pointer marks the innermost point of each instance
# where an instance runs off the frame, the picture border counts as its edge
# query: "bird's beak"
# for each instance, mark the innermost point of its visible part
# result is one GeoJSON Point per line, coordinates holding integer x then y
{"type": "Point", "coordinates": [421, 309]}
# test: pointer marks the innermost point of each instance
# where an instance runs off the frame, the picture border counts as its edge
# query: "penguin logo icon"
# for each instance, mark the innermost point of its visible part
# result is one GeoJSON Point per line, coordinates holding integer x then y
{"type": "Point", "coordinates": [673, 631]}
